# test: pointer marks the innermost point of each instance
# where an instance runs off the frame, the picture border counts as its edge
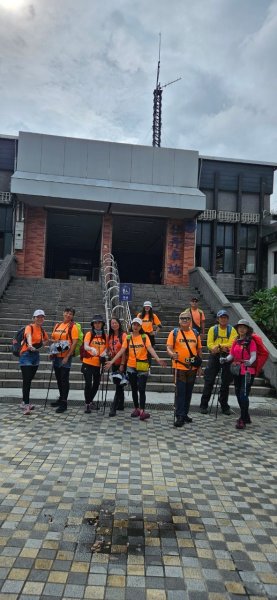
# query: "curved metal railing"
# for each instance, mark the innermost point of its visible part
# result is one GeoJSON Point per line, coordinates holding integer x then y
{"type": "Point", "coordinates": [110, 284]}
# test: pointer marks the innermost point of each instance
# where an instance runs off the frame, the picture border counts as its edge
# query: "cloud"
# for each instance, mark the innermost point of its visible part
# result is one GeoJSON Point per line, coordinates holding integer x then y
{"type": "Point", "coordinates": [88, 69]}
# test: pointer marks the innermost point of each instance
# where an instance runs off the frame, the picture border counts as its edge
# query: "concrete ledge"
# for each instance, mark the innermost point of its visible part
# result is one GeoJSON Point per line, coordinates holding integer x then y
{"type": "Point", "coordinates": [7, 271]}
{"type": "Point", "coordinates": [215, 298]}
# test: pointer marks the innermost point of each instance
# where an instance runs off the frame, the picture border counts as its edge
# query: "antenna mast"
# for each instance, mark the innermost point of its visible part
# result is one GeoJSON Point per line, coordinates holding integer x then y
{"type": "Point", "coordinates": [157, 104]}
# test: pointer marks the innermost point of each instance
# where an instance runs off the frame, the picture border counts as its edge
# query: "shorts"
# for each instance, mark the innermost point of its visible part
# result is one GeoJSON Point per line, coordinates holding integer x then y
{"type": "Point", "coordinates": [29, 359]}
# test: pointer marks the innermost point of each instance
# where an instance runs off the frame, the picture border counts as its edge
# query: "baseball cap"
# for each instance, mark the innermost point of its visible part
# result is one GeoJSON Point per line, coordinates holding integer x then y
{"type": "Point", "coordinates": [39, 313]}
{"type": "Point", "coordinates": [136, 320]}
{"type": "Point", "coordinates": [147, 303]}
{"type": "Point", "coordinates": [222, 313]}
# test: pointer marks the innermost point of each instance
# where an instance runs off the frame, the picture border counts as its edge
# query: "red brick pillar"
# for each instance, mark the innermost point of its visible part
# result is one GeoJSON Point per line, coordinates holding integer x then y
{"type": "Point", "coordinates": [174, 252]}
{"type": "Point", "coordinates": [189, 248]}
{"type": "Point", "coordinates": [31, 259]}
{"type": "Point", "coordinates": [107, 235]}
{"type": "Point", "coordinates": [179, 251]}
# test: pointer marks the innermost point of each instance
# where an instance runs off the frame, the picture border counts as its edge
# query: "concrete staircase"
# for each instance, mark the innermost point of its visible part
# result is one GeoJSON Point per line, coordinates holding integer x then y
{"type": "Point", "coordinates": [23, 296]}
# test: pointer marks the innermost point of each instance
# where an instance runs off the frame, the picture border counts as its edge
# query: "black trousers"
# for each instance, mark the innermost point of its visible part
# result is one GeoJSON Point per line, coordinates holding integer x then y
{"type": "Point", "coordinates": [243, 385]}
{"type": "Point", "coordinates": [138, 387]}
{"type": "Point", "coordinates": [92, 377]}
{"type": "Point", "coordinates": [28, 374]}
{"type": "Point", "coordinates": [210, 375]}
{"type": "Point", "coordinates": [118, 401]}
{"type": "Point", "coordinates": [62, 377]}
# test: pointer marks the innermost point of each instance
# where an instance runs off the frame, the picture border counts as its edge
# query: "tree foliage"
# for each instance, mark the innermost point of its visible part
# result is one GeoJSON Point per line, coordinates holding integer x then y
{"type": "Point", "coordinates": [264, 312]}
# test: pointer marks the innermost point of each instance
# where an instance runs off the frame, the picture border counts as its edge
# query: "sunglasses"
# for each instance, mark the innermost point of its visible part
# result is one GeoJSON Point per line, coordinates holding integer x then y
{"type": "Point", "coordinates": [185, 319]}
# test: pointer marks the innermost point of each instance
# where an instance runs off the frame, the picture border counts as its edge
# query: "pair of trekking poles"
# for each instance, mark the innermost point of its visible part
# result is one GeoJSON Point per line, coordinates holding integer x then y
{"type": "Point", "coordinates": [102, 391]}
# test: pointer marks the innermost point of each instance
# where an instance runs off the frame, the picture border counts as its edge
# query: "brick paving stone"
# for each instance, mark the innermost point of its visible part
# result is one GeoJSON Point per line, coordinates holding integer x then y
{"type": "Point", "coordinates": [117, 510]}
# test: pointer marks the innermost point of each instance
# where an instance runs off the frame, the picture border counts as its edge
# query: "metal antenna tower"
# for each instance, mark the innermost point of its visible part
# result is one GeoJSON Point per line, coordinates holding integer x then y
{"type": "Point", "coordinates": [157, 104]}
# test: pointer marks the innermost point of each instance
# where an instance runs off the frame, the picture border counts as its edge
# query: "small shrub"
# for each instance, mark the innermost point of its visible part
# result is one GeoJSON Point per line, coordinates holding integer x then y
{"type": "Point", "coordinates": [264, 312]}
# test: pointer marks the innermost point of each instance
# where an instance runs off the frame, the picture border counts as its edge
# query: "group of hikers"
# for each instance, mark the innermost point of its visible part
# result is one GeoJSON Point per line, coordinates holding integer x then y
{"type": "Point", "coordinates": [235, 353]}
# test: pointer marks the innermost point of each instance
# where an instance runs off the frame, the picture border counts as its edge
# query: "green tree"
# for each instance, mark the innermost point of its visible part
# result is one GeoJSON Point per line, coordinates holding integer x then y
{"type": "Point", "coordinates": [264, 312]}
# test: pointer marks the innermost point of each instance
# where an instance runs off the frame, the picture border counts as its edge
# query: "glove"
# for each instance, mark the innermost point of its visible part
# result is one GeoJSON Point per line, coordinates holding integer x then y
{"type": "Point", "coordinates": [247, 363]}
{"type": "Point", "coordinates": [222, 360]}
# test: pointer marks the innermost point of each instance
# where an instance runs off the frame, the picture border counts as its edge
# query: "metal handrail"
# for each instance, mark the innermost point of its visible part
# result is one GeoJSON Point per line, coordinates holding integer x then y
{"type": "Point", "coordinates": [110, 283]}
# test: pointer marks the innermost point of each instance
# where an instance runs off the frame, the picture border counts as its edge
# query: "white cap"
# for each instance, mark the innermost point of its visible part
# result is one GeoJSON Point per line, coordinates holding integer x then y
{"type": "Point", "coordinates": [147, 303]}
{"type": "Point", "coordinates": [39, 313]}
{"type": "Point", "coordinates": [137, 320]}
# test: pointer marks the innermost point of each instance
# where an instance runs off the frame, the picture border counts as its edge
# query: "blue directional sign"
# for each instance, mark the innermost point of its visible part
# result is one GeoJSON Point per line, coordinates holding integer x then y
{"type": "Point", "coordinates": [125, 292]}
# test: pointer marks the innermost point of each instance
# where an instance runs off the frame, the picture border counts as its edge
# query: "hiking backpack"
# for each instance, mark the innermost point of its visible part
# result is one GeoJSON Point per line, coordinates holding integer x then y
{"type": "Point", "coordinates": [262, 353]}
{"type": "Point", "coordinates": [18, 341]}
{"type": "Point", "coordinates": [229, 330]}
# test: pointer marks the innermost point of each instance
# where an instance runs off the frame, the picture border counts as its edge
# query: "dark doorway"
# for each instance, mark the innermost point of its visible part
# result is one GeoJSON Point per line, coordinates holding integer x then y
{"type": "Point", "coordinates": [73, 245]}
{"type": "Point", "coordinates": [138, 248]}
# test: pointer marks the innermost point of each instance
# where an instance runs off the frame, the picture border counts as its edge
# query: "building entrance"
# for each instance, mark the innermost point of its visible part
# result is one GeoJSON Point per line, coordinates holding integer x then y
{"type": "Point", "coordinates": [138, 248]}
{"type": "Point", "coordinates": [73, 245]}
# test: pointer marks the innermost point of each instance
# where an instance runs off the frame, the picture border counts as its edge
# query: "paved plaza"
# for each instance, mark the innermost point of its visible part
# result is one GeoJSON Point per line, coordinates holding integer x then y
{"type": "Point", "coordinates": [118, 509]}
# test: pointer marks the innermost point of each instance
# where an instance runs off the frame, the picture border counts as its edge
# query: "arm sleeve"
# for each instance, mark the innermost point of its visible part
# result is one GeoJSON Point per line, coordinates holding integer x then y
{"type": "Point", "coordinates": [211, 343]}
{"type": "Point", "coordinates": [170, 339]}
{"type": "Point", "coordinates": [74, 333]}
{"type": "Point", "coordinates": [156, 321]}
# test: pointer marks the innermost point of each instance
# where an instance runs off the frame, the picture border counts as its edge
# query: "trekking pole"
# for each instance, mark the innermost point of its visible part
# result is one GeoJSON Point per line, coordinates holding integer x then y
{"type": "Point", "coordinates": [214, 392]}
{"type": "Point", "coordinates": [106, 391]}
{"type": "Point", "coordinates": [100, 385]}
{"type": "Point", "coordinates": [175, 395]}
{"type": "Point", "coordinates": [50, 379]}
{"type": "Point", "coordinates": [219, 385]}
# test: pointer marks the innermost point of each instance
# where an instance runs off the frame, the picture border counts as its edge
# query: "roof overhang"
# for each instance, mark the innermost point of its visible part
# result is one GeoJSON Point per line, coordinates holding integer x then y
{"type": "Point", "coordinates": [107, 177]}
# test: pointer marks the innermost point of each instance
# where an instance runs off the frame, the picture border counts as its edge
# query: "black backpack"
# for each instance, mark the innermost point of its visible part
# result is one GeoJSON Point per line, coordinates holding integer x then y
{"type": "Point", "coordinates": [18, 340]}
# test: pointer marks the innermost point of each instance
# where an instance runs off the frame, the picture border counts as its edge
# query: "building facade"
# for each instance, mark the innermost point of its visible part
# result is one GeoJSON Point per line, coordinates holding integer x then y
{"type": "Point", "coordinates": [160, 211]}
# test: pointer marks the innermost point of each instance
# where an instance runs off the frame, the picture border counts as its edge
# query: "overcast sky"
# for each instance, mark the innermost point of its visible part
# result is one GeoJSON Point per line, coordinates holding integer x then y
{"type": "Point", "coordinates": [87, 68]}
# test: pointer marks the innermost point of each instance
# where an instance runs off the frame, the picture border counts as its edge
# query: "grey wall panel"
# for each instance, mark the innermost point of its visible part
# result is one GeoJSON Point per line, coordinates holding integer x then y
{"type": "Point", "coordinates": [29, 152]}
{"type": "Point", "coordinates": [250, 203]}
{"type": "Point", "coordinates": [230, 171]}
{"type": "Point", "coordinates": [5, 181]}
{"type": "Point", "coordinates": [52, 155]}
{"type": "Point", "coordinates": [227, 201]}
{"type": "Point", "coordinates": [163, 166]}
{"type": "Point", "coordinates": [120, 162]}
{"type": "Point", "coordinates": [98, 160]}
{"type": "Point", "coordinates": [142, 164]}
{"type": "Point", "coordinates": [75, 158]}
{"type": "Point", "coordinates": [185, 168]}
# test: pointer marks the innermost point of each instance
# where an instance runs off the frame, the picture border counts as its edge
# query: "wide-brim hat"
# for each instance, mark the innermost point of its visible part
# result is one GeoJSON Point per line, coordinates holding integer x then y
{"type": "Point", "coordinates": [147, 303]}
{"type": "Point", "coordinates": [39, 313]}
{"type": "Point", "coordinates": [97, 318]}
{"type": "Point", "coordinates": [245, 323]}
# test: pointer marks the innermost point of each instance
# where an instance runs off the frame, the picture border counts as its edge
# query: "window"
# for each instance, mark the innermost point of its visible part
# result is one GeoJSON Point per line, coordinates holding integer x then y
{"type": "Point", "coordinates": [225, 248]}
{"type": "Point", "coordinates": [248, 249]}
{"type": "Point", "coordinates": [203, 245]}
{"type": "Point", "coordinates": [1, 245]}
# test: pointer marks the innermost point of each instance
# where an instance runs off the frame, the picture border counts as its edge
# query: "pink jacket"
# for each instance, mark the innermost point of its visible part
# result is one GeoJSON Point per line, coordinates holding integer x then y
{"type": "Point", "coordinates": [241, 353]}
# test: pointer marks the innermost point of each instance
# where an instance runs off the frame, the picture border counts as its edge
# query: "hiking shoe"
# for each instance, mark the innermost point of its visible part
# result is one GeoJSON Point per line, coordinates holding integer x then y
{"type": "Point", "coordinates": [87, 409]}
{"type": "Point", "coordinates": [187, 419]}
{"type": "Point", "coordinates": [27, 410]}
{"type": "Point", "coordinates": [226, 410]}
{"type": "Point", "coordinates": [56, 403]}
{"type": "Point", "coordinates": [179, 422]}
{"type": "Point", "coordinates": [120, 406]}
{"type": "Point", "coordinates": [62, 407]}
{"type": "Point", "coordinates": [112, 412]}
{"type": "Point", "coordinates": [144, 415]}
{"type": "Point", "coordinates": [135, 413]}
{"type": "Point", "coordinates": [31, 406]}
{"type": "Point", "coordinates": [240, 424]}
{"type": "Point", "coordinates": [204, 410]}
{"type": "Point", "coordinates": [247, 420]}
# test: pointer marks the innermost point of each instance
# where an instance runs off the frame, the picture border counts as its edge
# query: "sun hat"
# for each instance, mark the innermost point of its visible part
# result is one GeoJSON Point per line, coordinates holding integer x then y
{"type": "Point", "coordinates": [222, 313]}
{"type": "Point", "coordinates": [136, 320]}
{"type": "Point", "coordinates": [39, 313]}
{"type": "Point", "coordinates": [244, 322]}
{"type": "Point", "coordinates": [185, 313]}
{"type": "Point", "coordinates": [147, 303]}
{"type": "Point", "coordinates": [97, 318]}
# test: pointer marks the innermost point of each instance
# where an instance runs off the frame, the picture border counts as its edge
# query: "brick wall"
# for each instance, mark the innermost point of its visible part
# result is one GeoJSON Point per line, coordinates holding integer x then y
{"type": "Point", "coordinates": [31, 260]}
{"type": "Point", "coordinates": [107, 235]}
{"type": "Point", "coordinates": [179, 251]}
